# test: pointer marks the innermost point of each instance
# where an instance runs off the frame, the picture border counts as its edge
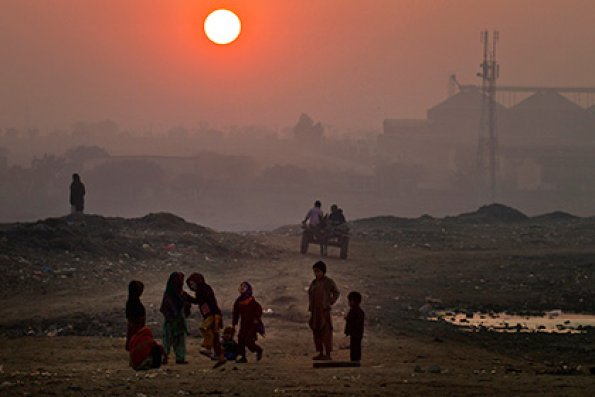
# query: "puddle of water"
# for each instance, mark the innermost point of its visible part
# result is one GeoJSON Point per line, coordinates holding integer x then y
{"type": "Point", "coordinates": [554, 321]}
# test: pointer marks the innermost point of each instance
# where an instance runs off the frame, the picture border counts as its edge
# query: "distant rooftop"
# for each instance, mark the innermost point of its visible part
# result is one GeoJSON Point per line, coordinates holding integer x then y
{"type": "Point", "coordinates": [548, 100]}
{"type": "Point", "coordinates": [469, 98]}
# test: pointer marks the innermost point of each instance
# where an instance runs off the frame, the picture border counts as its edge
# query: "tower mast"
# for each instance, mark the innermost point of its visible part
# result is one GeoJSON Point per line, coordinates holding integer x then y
{"type": "Point", "coordinates": [487, 148]}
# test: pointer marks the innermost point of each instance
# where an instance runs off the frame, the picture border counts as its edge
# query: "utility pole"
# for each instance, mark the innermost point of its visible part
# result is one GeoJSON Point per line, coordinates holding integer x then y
{"type": "Point", "coordinates": [487, 147]}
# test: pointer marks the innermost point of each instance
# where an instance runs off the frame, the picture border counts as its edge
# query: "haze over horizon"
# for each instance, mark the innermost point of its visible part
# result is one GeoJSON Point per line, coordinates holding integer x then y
{"type": "Point", "coordinates": [348, 64]}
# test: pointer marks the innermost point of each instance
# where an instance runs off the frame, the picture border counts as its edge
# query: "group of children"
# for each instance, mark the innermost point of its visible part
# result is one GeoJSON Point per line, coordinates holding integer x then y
{"type": "Point", "coordinates": [147, 353]}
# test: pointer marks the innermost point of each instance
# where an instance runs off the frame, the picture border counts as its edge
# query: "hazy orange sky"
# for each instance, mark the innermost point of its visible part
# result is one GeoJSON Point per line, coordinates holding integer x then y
{"type": "Point", "coordinates": [347, 63]}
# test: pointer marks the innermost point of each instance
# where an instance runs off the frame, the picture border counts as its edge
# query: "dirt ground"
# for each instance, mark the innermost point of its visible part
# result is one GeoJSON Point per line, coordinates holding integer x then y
{"type": "Point", "coordinates": [62, 318]}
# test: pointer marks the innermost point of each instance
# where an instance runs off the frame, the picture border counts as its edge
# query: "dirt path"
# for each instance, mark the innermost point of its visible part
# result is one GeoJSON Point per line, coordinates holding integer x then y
{"type": "Point", "coordinates": [394, 282]}
{"type": "Point", "coordinates": [80, 366]}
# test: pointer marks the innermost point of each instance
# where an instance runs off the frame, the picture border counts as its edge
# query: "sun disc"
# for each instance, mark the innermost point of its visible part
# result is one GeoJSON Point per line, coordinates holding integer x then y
{"type": "Point", "coordinates": [222, 26]}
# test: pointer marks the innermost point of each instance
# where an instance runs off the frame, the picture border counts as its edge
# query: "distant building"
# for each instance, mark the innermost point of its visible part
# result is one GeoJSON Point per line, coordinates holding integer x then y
{"type": "Point", "coordinates": [547, 118]}
{"type": "Point", "coordinates": [456, 119]}
{"type": "Point", "coordinates": [545, 142]}
{"type": "Point", "coordinates": [306, 133]}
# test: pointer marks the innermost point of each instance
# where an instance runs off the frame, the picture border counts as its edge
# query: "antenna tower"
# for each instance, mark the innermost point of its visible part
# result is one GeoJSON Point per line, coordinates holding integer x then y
{"type": "Point", "coordinates": [487, 148]}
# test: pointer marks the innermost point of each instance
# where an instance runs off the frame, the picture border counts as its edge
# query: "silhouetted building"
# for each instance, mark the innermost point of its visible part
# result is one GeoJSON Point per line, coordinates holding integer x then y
{"type": "Point", "coordinates": [545, 142]}
{"type": "Point", "coordinates": [547, 118]}
{"type": "Point", "coordinates": [308, 133]}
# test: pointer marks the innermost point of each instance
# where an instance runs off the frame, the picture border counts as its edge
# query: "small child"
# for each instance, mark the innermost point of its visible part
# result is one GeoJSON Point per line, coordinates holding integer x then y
{"type": "Point", "coordinates": [230, 347]}
{"type": "Point", "coordinates": [354, 325]}
{"type": "Point", "coordinates": [248, 313]}
{"type": "Point", "coordinates": [145, 351]}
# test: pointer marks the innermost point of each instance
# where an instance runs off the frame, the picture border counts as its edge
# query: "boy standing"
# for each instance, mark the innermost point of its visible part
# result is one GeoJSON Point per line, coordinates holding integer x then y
{"type": "Point", "coordinates": [322, 293]}
{"type": "Point", "coordinates": [354, 326]}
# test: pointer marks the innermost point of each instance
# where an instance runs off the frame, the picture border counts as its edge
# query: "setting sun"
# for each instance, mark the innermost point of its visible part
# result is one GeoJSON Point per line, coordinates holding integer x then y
{"type": "Point", "coordinates": [222, 26]}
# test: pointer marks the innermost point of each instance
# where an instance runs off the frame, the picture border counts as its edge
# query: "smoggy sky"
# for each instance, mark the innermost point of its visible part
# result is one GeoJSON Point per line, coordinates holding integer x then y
{"type": "Point", "coordinates": [347, 63]}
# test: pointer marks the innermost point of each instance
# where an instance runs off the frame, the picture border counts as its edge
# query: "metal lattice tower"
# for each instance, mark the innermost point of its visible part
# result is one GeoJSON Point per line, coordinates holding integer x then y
{"type": "Point", "coordinates": [487, 147]}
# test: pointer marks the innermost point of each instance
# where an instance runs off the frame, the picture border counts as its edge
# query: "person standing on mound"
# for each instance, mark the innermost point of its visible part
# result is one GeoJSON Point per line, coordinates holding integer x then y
{"type": "Point", "coordinates": [323, 293]}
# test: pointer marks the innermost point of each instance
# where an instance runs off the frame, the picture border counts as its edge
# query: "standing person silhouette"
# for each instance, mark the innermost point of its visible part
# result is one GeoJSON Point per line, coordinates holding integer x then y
{"type": "Point", "coordinates": [323, 293]}
{"type": "Point", "coordinates": [77, 195]}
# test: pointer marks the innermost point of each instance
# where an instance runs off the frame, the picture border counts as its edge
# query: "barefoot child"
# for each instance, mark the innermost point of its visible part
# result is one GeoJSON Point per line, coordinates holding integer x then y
{"type": "Point", "coordinates": [354, 325]}
{"type": "Point", "coordinates": [322, 293]}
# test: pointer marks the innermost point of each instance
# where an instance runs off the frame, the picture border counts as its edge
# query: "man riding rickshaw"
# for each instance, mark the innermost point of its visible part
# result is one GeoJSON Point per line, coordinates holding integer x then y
{"type": "Point", "coordinates": [325, 230]}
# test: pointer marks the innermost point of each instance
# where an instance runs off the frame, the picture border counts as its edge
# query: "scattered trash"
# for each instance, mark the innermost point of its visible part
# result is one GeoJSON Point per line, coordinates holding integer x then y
{"type": "Point", "coordinates": [170, 246]}
{"type": "Point", "coordinates": [503, 322]}
{"type": "Point", "coordinates": [553, 313]}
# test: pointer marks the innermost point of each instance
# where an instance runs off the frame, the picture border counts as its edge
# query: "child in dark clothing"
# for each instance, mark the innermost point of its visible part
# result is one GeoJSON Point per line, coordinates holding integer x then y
{"type": "Point", "coordinates": [354, 325]}
{"type": "Point", "coordinates": [230, 347]}
{"type": "Point", "coordinates": [248, 313]}
{"type": "Point", "coordinates": [135, 311]}
{"type": "Point", "coordinates": [174, 326]}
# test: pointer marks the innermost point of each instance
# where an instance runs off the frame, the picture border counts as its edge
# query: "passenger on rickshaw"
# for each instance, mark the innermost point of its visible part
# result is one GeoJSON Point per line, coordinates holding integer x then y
{"type": "Point", "coordinates": [336, 221]}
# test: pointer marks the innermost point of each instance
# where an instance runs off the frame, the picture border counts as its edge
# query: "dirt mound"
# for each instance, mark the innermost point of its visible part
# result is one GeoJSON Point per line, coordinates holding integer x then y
{"type": "Point", "coordinates": [141, 238]}
{"type": "Point", "coordinates": [492, 213]}
{"type": "Point", "coordinates": [97, 237]}
{"type": "Point", "coordinates": [39, 255]}
{"type": "Point", "coordinates": [167, 221]}
{"type": "Point", "coordinates": [556, 216]}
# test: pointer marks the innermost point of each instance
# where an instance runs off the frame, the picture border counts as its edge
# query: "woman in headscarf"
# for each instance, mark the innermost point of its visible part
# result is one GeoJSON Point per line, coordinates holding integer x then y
{"type": "Point", "coordinates": [135, 311]}
{"type": "Point", "coordinates": [212, 322]}
{"type": "Point", "coordinates": [249, 313]}
{"type": "Point", "coordinates": [174, 326]}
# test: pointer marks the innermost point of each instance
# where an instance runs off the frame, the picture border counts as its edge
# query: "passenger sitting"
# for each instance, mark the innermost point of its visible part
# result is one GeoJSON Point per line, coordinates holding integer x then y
{"type": "Point", "coordinates": [336, 216]}
{"type": "Point", "coordinates": [337, 223]}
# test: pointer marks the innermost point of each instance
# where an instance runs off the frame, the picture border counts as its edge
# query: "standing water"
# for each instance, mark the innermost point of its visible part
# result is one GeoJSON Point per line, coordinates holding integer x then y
{"type": "Point", "coordinates": [554, 321]}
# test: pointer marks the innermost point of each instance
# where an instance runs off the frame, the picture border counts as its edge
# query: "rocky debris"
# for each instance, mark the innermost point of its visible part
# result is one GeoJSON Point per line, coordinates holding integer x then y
{"type": "Point", "coordinates": [38, 256]}
{"type": "Point", "coordinates": [154, 235]}
{"type": "Point", "coordinates": [563, 369]}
